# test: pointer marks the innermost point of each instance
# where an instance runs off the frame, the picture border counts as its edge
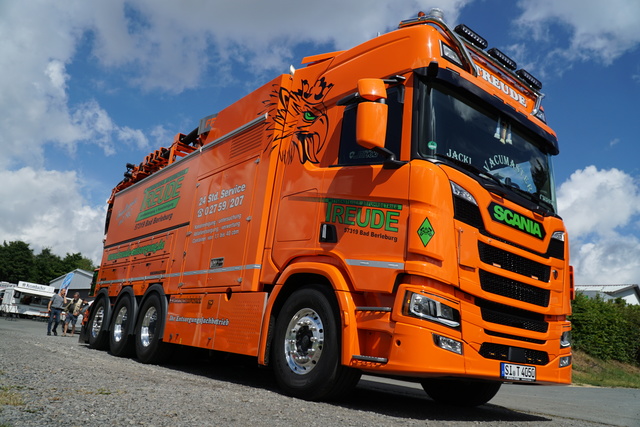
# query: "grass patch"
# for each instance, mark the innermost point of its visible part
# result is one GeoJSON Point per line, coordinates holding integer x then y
{"type": "Point", "coordinates": [588, 370]}
{"type": "Point", "coordinates": [9, 397]}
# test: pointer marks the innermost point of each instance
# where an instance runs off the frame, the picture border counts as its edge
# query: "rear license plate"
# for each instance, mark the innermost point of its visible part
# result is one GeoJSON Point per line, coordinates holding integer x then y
{"type": "Point", "coordinates": [512, 372]}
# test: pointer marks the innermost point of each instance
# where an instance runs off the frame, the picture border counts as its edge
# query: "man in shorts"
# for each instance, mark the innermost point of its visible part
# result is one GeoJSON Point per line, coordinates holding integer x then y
{"type": "Point", "coordinates": [73, 310]}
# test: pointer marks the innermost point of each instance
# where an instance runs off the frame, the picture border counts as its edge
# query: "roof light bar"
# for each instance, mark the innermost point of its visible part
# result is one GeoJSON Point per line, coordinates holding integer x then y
{"type": "Point", "coordinates": [471, 36]}
{"type": "Point", "coordinates": [498, 55]}
{"type": "Point", "coordinates": [529, 79]}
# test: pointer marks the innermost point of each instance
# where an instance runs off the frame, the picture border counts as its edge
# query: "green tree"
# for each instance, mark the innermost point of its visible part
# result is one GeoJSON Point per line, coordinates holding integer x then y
{"type": "Point", "coordinates": [16, 262]}
{"type": "Point", "coordinates": [47, 266]}
{"type": "Point", "coordinates": [606, 329]}
{"type": "Point", "coordinates": [76, 260]}
{"type": "Point", "coordinates": [632, 313]}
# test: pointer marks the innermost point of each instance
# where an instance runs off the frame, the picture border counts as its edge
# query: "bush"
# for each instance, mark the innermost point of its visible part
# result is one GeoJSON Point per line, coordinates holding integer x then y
{"type": "Point", "coordinates": [606, 329]}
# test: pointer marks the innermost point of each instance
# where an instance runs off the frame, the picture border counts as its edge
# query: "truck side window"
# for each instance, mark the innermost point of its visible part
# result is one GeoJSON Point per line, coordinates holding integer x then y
{"type": "Point", "coordinates": [351, 153]}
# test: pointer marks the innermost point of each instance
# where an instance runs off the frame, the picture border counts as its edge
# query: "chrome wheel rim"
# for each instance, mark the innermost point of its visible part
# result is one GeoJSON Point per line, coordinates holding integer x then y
{"type": "Point", "coordinates": [118, 327]}
{"type": "Point", "coordinates": [147, 331]}
{"type": "Point", "coordinates": [96, 325]}
{"type": "Point", "coordinates": [304, 341]}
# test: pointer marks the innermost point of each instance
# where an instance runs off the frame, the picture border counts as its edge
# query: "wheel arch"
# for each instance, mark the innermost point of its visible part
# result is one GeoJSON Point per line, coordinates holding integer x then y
{"type": "Point", "coordinates": [295, 277]}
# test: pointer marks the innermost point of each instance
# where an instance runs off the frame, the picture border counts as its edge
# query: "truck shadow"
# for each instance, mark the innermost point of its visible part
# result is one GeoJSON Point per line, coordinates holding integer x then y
{"type": "Point", "coordinates": [407, 402]}
{"type": "Point", "coordinates": [391, 400]}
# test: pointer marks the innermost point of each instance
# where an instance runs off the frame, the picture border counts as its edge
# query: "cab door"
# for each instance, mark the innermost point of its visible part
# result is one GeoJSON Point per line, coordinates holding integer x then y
{"type": "Point", "coordinates": [366, 204]}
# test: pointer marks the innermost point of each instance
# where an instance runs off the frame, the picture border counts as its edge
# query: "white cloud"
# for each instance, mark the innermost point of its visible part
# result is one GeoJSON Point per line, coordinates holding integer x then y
{"type": "Point", "coordinates": [165, 46]}
{"type": "Point", "coordinates": [613, 259]}
{"type": "Point", "coordinates": [38, 41]}
{"type": "Point", "coordinates": [598, 201]}
{"type": "Point", "coordinates": [600, 30]}
{"type": "Point", "coordinates": [170, 45]}
{"type": "Point", "coordinates": [46, 209]}
{"type": "Point", "coordinates": [596, 206]}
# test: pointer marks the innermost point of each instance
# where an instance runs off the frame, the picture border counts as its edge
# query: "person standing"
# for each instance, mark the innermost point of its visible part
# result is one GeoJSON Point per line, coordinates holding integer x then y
{"type": "Point", "coordinates": [73, 310]}
{"type": "Point", "coordinates": [56, 304]}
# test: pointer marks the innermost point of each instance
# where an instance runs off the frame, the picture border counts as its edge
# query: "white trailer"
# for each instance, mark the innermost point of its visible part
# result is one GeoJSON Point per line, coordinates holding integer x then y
{"type": "Point", "coordinates": [25, 300]}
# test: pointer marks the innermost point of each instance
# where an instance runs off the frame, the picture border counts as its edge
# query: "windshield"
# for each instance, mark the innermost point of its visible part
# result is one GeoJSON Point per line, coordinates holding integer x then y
{"type": "Point", "coordinates": [487, 144]}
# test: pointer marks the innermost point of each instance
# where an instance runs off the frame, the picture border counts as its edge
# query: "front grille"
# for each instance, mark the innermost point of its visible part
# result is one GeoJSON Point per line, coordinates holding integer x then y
{"type": "Point", "coordinates": [513, 289]}
{"type": "Point", "coordinates": [513, 354]}
{"type": "Point", "coordinates": [512, 262]}
{"type": "Point", "coordinates": [468, 213]}
{"type": "Point", "coordinates": [509, 316]}
{"type": "Point", "coordinates": [513, 337]}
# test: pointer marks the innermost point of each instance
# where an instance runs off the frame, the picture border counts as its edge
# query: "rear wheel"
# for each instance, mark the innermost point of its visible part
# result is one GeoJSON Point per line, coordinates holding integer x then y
{"type": "Point", "coordinates": [120, 339]}
{"type": "Point", "coordinates": [461, 392]}
{"type": "Point", "coordinates": [98, 338]}
{"type": "Point", "coordinates": [306, 348]}
{"type": "Point", "coordinates": [148, 342]}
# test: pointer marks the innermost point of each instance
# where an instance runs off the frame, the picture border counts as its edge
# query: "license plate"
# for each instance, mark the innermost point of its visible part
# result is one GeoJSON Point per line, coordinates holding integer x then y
{"type": "Point", "coordinates": [513, 372]}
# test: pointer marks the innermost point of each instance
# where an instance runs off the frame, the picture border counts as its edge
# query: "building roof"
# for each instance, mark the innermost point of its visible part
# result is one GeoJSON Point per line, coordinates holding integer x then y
{"type": "Point", "coordinates": [86, 273]}
{"type": "Point", "coordinates": [80, 281]}
{"type": "Point", "coordinates": [605, 288]}
{"type": "Point", "coordinates": [612, 291]}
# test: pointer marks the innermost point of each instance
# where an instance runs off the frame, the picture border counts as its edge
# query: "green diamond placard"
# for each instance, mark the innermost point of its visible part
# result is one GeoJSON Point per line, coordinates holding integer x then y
{"type": "Point", "coordinates": [426, 232]}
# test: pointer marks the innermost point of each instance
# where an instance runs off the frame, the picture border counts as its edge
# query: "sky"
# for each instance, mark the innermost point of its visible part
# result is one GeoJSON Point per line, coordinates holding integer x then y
{"type": "Point", "coordinates": [86, 87]}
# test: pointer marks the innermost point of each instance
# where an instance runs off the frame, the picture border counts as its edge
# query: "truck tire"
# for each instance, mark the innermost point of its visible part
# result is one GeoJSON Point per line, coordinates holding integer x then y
{"type": "Point", "coordinates": [98, 338]}
{"type": "Point", "coordinates": [461, 392]}
{"type": "Point", "coordinates": [306, 347]}
{"type": "Point", "coordinates": [120, 339]}
{"type": "Point", "coordinates": [148, 342]}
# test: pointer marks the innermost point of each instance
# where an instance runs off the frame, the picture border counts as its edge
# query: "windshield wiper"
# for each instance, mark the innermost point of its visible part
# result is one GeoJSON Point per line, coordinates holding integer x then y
{"type": "Point", "coordinates": [543, 207]}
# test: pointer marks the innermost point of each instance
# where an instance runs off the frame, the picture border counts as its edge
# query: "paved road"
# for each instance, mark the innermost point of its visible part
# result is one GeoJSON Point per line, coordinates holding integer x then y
{"type": "Point", "coordinates": [608, 406]}
{"type": "Point", "coordinates": [375, 401]}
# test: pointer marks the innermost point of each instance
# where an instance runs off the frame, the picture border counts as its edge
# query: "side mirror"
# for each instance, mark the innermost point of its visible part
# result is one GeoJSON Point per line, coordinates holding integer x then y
{"type": "Point", "coordinates": [371, 123]}
{"type": "Point", "coordinates": [371, 120]}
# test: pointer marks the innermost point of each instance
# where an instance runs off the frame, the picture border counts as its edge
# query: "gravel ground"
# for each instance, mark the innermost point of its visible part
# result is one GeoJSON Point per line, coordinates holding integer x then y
{"type": "Point", "coordinates": [54, 381]}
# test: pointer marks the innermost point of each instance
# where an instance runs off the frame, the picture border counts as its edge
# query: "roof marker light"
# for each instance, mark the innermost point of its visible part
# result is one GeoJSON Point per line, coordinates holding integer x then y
{"type": "Point", "coordinates": [436, 13]}
{"type": "Point", "coordinates": [471, 36]}
{"type": "Point", "coordinates": [450, 54]}
{"type": "Point", "coordinates": [529, 79]}
{"type": "Point", "coordinates": [502, 58]}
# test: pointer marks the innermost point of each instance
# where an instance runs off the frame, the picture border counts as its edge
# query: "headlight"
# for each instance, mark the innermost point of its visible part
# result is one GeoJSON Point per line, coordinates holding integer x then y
{"type": "Point", "coordinates": [458, 191]}
{"type": "Point", "coordinates": [448, 344]}
{"type": "Point", "coordinates": [422, 307]}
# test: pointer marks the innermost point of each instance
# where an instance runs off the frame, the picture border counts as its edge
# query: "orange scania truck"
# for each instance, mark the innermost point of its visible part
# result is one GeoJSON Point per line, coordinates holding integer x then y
{"type": "Point", "coordinates": [388, 209]}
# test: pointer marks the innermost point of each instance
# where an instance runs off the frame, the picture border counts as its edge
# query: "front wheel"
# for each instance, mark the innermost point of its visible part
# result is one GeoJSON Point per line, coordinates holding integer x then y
{"type": "Point", "coordinates": [306, 348]}
{"type": "Point", "coordinates": [460, 392]}
{"type": "Point", "coordinates": [148, 341]}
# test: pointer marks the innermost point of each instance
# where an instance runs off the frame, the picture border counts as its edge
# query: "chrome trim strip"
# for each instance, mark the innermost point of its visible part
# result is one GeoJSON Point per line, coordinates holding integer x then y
{"type": "Point", "coordinates": [375, 264]}
{"type": "Point", "coordinates": [186, 273]}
